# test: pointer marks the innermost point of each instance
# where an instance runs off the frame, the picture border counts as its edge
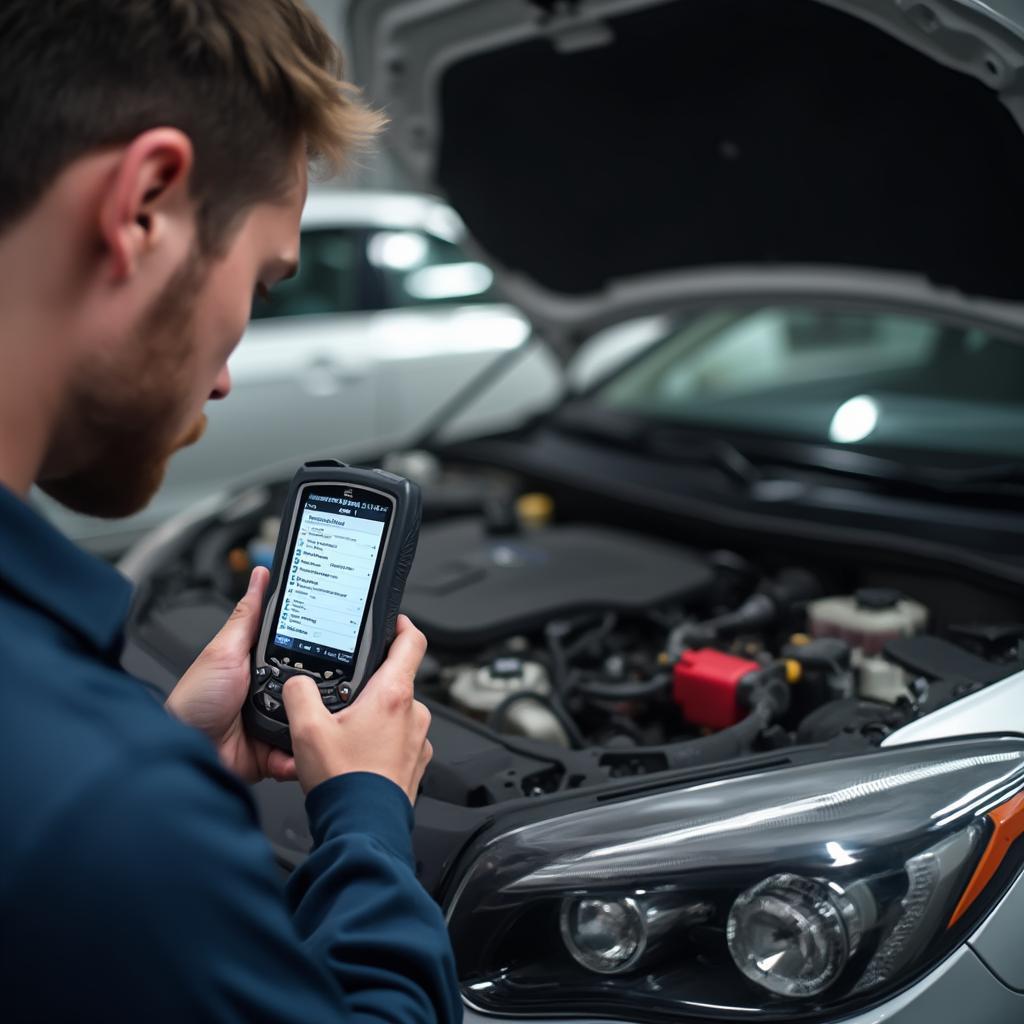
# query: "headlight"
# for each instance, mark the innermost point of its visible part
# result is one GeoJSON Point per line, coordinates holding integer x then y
{"type": "Point", "coordinates": [604, 936]}
{"type": "Point", "coordinates": [788, 893]}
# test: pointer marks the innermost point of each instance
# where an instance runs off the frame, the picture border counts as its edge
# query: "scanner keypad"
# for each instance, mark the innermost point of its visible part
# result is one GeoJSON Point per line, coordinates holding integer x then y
{"type": "Point", "coordinates": [268, 697]}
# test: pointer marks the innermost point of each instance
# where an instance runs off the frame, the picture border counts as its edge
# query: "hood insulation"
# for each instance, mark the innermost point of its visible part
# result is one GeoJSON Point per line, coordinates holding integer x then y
{"type": "Point", "coordinates": [733, 132]}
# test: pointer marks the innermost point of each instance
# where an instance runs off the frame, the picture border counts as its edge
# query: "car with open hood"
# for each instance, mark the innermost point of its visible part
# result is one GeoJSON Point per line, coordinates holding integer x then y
{"type": "Point", "coordinates": [727, 646]}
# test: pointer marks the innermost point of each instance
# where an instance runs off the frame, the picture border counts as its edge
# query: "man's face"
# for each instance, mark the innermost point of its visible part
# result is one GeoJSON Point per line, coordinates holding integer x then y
{"type": "Point", "coordinates": [142, 399]}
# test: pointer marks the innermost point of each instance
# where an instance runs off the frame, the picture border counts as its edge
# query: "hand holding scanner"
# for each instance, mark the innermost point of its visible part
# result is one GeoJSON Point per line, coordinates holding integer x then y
{"type": "Point", "coordinates": [347, 541]}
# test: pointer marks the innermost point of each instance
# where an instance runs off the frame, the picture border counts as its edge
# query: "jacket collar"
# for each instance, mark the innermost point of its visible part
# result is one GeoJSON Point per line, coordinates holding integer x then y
{"type": "Point", "coordinates": [39, 564]}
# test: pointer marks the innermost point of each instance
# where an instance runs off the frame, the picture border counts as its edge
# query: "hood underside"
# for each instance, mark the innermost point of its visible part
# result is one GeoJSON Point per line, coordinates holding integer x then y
{"type": "Point", "coordinates": [596, 143]}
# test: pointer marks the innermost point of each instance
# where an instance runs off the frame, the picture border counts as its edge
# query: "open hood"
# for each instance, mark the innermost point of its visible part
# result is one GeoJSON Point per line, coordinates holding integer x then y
{"type": "Point", "coordinates": [610, 156]}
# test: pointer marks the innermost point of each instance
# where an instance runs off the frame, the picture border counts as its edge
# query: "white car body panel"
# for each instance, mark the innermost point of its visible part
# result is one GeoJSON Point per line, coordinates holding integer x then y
{"type": "Point", "coordinates": [998, 709]}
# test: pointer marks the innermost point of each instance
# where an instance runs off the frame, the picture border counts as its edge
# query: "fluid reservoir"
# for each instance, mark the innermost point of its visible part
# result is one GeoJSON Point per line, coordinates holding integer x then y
{"type": "Point", "coordinates": [478, 690]}
{"type": "Point", "coordinates": [868, 619]}
{"type": "Point", "coordinates": [881, 679]}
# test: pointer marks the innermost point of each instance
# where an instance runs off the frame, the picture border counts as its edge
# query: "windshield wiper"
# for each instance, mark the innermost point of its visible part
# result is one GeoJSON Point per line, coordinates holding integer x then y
{"type": "Point", "coordinates": [1005, 477]}
{"type": "Point", "coordinates": [998, 473]}
{"type": "Point", "coordinates": [709, 451]}
{"type": "Point", "coordinates": [663, 441]}
{"type": "Point", "coordinates": [700, 447]}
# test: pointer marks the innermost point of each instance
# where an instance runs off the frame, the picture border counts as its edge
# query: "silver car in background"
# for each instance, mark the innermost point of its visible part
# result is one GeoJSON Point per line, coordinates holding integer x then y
{"type": "Point", "coordinates": [387, 319]}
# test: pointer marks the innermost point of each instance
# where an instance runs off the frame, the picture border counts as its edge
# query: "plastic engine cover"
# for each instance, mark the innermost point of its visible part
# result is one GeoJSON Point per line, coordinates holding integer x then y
{"type": "Point", "coordinates": [468, 588]}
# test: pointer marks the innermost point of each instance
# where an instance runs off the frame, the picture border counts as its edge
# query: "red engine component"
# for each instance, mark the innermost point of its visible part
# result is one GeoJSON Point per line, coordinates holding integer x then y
{"type": "Point", "coordinates": [706, 684]}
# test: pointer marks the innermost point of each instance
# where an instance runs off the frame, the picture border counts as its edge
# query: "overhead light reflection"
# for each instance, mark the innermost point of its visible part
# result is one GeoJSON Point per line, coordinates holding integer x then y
{"type": "Point", "coordinates": [970, 798]}
{"type": "Point", "coordinates": [398, 250]}
{"type": "Point", "coordinates": [839, 855]}
{"type": "Point", "coordinates": [449, 281]}
{"type": "Point", "coordinates": [854, 420]}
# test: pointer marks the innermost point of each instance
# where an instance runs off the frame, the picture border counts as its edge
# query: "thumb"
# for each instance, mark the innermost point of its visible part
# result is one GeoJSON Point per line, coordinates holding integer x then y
{"type": "Point", "coordinates": [239, 632]}
{"type": "Point", "coordinates": [281, 766]}
{"type": "Point", "coordinates": [302, 701]}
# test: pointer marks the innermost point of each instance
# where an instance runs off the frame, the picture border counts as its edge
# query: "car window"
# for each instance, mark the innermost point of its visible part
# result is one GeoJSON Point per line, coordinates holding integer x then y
{"type": "Point", "coordinates": [419, 269]}
{"type": "Point", "coordinates": [331, 278]}
{"type": "Point", "coordinates": [838, 376]}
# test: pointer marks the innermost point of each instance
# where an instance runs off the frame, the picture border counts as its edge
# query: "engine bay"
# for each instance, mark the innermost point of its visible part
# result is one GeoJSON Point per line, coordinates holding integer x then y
{"type": "Point", "coordinates": [566, 651]}
{"type": "Point", "coordinates": [721, 660]}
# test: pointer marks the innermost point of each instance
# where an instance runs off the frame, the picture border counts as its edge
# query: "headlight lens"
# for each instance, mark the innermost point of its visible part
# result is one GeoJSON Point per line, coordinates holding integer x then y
{"type": "Point", "coordinates": [786, 893]}
{"type": "Point", "coordinates": [793, 935]}
{"type": "Point", "coordinates": [604, 936]}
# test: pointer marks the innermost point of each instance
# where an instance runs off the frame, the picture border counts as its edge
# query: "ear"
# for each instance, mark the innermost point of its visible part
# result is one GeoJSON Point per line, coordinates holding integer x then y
{"type": "Point", "coordinates": [146, 199]}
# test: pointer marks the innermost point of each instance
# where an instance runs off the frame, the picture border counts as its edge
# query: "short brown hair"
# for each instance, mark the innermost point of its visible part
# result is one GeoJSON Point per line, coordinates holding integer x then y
{"type": "Point", "coordinates": [244, 79]}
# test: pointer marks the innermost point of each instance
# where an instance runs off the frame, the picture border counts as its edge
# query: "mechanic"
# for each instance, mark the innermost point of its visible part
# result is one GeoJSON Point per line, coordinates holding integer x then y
{"type": "Point", "coordinates": [152, 176]}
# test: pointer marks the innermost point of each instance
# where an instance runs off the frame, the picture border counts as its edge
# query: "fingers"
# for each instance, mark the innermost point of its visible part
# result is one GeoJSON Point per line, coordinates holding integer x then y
{"type": "Point", "coordinates": [422, 713]}
{"type": "Point", "coordinates": [304, 705]}
{"type": "Point", "coordinates": [385, 732]}
{"type": "Point", "coordinates": [426, 753]}
{"type": "Point", "coordinates": [409, 645]}
{"type": "Point", "coordinates": [252, 601]}
{"type": "Point", "coordinates": [402, 662]}
{"type": "Point", "coordinates": [238, 634]}
{"type": "Point", "coordinates": [280, 766]}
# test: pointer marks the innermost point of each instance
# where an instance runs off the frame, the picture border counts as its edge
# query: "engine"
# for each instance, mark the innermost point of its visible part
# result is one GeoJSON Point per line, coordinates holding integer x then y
{"type": "Point", "coordinates": [593, 649]}
{"type": "Point", "coordinates": [585, 636]}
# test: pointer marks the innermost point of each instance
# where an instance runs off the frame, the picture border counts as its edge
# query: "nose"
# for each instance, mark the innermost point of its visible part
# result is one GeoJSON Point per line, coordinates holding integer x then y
{"type": "Point", "coordinates": [222, 385]}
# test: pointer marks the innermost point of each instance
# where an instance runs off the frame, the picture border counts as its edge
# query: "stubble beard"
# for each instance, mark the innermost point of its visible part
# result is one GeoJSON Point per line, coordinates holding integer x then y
{"type": "Point", "coordinates": [129, 413]}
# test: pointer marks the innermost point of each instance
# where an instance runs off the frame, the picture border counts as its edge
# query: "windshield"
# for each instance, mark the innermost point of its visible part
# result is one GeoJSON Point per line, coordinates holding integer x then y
{"type": "Point", "coordinates": [880, 380]}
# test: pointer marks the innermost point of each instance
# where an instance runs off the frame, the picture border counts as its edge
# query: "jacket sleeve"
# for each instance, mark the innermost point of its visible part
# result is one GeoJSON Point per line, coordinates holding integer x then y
{"type": "Point", "coordinates": [360, 911]}
{"type": "Point", "coordinates": [159, 899]}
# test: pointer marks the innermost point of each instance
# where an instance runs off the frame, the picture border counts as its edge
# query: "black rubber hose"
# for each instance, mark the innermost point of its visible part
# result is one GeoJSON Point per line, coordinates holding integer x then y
{"type": "Point", "coordinates": [624, 724]}
{"type": "Point", "coordinates": [598, 690]}
{"type": "Point", "coordinates": [497, 717]}
{"type": "Point", "coordinates": [561, 654]}
{"type": "Point", "coordinates": [719, 746]}
{"type": "Point", "coordinates": [558, 664]}
{"type": "Point", "coordinates": [591, 636]}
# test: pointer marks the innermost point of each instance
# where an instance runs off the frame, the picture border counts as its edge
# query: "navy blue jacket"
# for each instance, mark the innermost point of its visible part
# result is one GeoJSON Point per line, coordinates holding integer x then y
{"type": "Point", "coordinates": [135, 884]}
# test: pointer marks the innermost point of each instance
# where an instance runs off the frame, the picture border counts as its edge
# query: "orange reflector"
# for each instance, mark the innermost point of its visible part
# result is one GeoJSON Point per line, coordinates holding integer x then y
{"type": "Point", "coordinates": [238, 560]}
{"type": "Point", "coordinates": [1008, 819]}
